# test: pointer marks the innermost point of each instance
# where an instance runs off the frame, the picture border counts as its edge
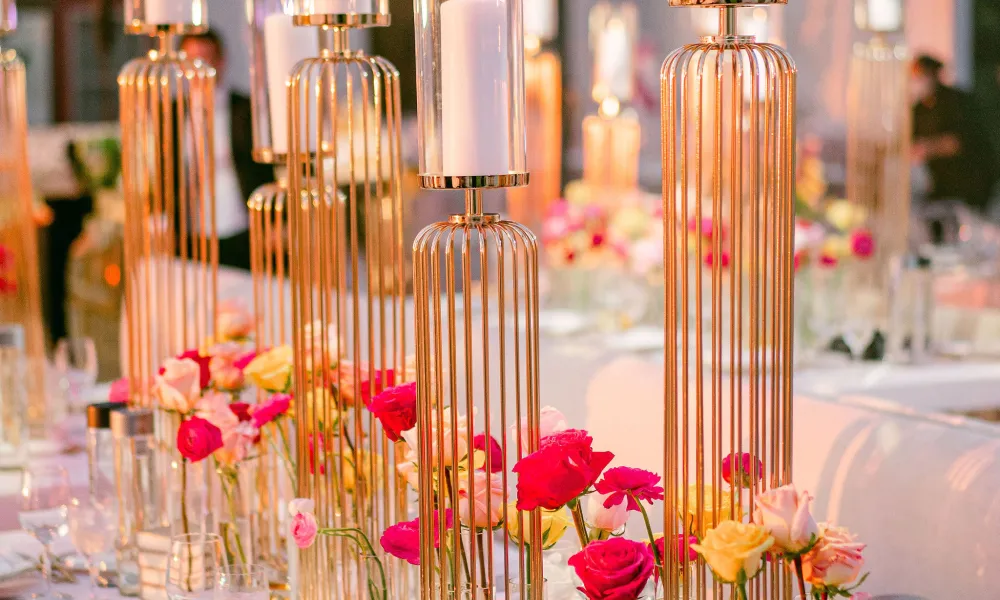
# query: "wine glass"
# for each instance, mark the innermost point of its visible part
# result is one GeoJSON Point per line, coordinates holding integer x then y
{"type": "Point", "coordinates": [92, 529]}
{"type": "Point", "coordinates": [45, 494]}
{"type": "Point", "coordinates": [242, 582]}
{"type": "Point", "coordinates": [858, 332]}
{"type": "Point", "coordinates": [76, 362]}
{"type": "Point", "coordinates": [193, 566]}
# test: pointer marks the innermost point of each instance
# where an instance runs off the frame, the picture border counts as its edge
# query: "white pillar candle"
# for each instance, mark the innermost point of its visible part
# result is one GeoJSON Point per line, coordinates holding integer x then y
{"type": "Point", "coordinates": [475, 86]}
{"type": "Point", "coordinates": [613, 61]}
{"type": "Point", "coordinates": [284, 46]}
{"type": "Point", "coordinates": [342, 7]}
{"type": "Point", "coordinates": [541, 19]}
{"type": "Point", "coordinates": [885, 15]}
{"type": "Point", "coordinates": [168, 12]}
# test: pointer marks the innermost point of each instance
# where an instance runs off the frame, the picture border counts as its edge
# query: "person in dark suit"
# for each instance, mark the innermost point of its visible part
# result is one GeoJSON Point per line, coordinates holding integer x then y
{"type": "Point", "coordinates": [236, 173]}
{"type": "Point", "coordinates": [949, 136]}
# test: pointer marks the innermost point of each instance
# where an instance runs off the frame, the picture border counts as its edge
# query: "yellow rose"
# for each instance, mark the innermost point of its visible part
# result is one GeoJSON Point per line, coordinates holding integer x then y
{"type": "Point", "coordinates": [734, 550]}
{"type": "Point", "coordinates": [272, 370]}
{"type": "Point", "coordinates": [711, 514]}
{"type": "Point", "coordinates": [349, 478]}
{"type": "Point", "coordinates": [554, 524]}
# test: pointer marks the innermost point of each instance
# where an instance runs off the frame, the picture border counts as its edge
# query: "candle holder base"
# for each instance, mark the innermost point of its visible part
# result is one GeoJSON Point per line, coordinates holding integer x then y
{"type": "Point", "coordinates": [473, 182]}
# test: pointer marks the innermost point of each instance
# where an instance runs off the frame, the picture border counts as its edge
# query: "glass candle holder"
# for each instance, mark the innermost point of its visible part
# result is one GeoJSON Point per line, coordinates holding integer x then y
{"type": "Point", "coordinates": [470, 73]}
{"type": "Point", "coordinates": [612, 41]}
{"type": "Point", "coordinates": [153, 17]}
{"type": "Point", "coordinates": [541, 24]}
{"type": "Point", "coordinates": [879, 16]}
{"type": "Point", "coordinates": [341, 13]}
{"type": "Point", "coordinates": [276, 46]}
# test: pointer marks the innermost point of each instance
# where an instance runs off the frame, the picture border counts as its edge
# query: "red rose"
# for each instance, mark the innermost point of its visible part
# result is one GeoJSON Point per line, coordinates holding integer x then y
{"type": "Point", "coordinates": [383, 381]}
{"type": "Point", "coordinates": [396, 409]}
{"type": "Point", "coordinates": [747, 471]}
{"type": "Point", "coordinates": [616, 569]}
{"type": "Point", "coordinates": [203, 362]}
{"type": "Point", "coordinates": [276, 406]}
{"type": "Point", "coordinates": [564, 467]}
{"type": "Point", "coordinates": [241, 410]}
{"type": "Point", "coordinates": [494, 455]}
{"type": "Point", "coordinates": [197, 439]}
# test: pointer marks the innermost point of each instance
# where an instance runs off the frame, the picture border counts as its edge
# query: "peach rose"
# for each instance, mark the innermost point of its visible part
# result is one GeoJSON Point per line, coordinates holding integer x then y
{"type": "Point", "coordinates": [233, 320]}
{"type": "Point", "coordinates": [178, 387]}
{"type": "Point", "coordinates": [550, 421]}
{"type": "Point", "coordinates": [606, 519]}
{"type": "Point", "coordinates": [836, 560]}
{"type": "Point", "coordinates": [225, 374]}
{"type": "Point", "coordinates": [214, 408]}
{"type": "Point", "coordinates": [322, 345]}
{"type": "Point", "coordinates": [451, 437]}
{"type": "Point", "coordinates": [480, 499]}
{"type": "Point", "coordinates": [784, 513]}
{"type": "Point", "coordinates": [407, 468]}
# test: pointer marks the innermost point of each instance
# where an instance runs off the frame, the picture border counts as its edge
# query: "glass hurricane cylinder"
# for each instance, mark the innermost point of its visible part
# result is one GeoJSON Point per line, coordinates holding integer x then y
{"type": "Point", "coordinates": [470, 71]}
{"type": "Point", "coordinates": [879, 16]}
{"type": "Point", "coordinates": [188, 498]}
{"type": "Point", "coordinates": [140, 502]}
{"type": "Point", "coordinates": [240, 510]}
{"type": "Point", "coordinates": [340, 13]}
{"type": "Point", "coordinates": [613, 36]}
{"type": "Point", "coordinates": [176, 16]}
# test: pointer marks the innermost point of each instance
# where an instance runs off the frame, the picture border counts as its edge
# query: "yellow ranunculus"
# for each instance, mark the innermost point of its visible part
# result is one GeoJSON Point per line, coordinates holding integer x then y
{"type": "Point", "coordinates": [734, 550]}
{"type": "Point", "coordinates": [711, 514]}
{"type": "Point", "coordinates": [272, 370]}
{"type": "Point", "coordinates": [554, 524]}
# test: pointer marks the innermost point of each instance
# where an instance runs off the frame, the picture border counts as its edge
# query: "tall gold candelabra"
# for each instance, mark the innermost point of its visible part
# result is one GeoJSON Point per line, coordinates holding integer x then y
{"type": "Point", "coordinates": [728, 292]}
{"type": "Point", "coordinates": [347, 279]}
{"type": "Point", "coordinates": [20, 295]}
{"type": "Point", "coordinates": [879, 132]}
{"type": "Point", "coordinates": [168, 177]}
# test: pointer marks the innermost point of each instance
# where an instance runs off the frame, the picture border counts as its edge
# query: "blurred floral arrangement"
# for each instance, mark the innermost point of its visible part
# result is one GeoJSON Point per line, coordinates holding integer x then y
{"type": "Point", "coordinates": [97, 164]}
{"type": "Point", "coordinates": [566, 470]}
{"type": "Point", "coordinates": [8, 279]}
{"type": "Point", "coordinates": [838, 237]}
{"type": "Point", "coordinates": [810, 179]}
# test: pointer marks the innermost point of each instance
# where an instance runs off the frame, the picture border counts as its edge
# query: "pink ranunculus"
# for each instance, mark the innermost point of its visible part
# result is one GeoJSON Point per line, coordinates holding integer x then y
{"type": "Point", "coordinates": [222, 366]}
{"type": "Point", "coordinates": [606, 518]}
{"type": "Point", "coordinates": [177, 385]}
{"type": "Point", "coordinates": [862, 244]}
{"type": "Point", "coordinates": [480, 499]}
{"type": "Point", "coordinates": [494, 454]}
{"type": "Point", "coordinates": [233, 320]}
{"type": "Point", "coordinates": [632, 485]}
{"type": "Point", "coordinates": [275, 406]}
{"type": "Point", "coordinates": [723, 262]}
{"type": "Point", "coordinates": [119, 393]}
{"type": "Point", "coordinates": [304, 529]}
{"type": "Point", "coordinates": [747, 470]}
{"type": "Point", "coordinates": [784, 513]}
{"type": "Point", "coordinates": [402, 540]}
{"type": "Point", "coordinates": [396, 409]}
{"type": "Point", "coordinates": [564, 467]}
{"type": "Point", "coordinates": [615, 569]}
{"type": "Point", "coordinates": [550, 421]}
{"type": "Point", "coordinates": [197, 439]}
{"type": "Point", "coordinates": [203, 360]}
{"type": "Point", "coordinates": [836, 561]}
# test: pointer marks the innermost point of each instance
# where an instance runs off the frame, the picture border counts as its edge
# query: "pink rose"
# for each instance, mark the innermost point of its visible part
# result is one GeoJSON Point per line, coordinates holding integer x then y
{"type": "Point", "coordinates": [615, 569]}
{"type": "Point", "coordinates": [236, 443]}
{"type": "Point", "coordinates": [862, 244]}
{"type": "Point", "coordinates": [480, 499]}
{"type": "Point", "coordinates": [222, 366]}
{"type": "Point", "coordinates": [606, 518]}
{"type": "Point", "coordinates": [177, 385]}
{"type": "Point", "coordinates": [233, 320]}
{"type": "Point", "coordinates": [203, 361]}
{"type": "Point", "coordinates": [836, 560]}
{"type": "Point", "coordinates": [214, 408]}
{"type": "Point", "coordinates": [304, 529]}
{"type": "Point", "coordinates": [276, 406]}
{"type": "Point", "coordinates": [550, 421]}
{"type": "Point", "coordinates": [564, 467]}
{"type": "Point", "coordinates": [784, 514]}
{"type": "Point", "coordinates": [119, 393]}
{"type": "Point", "coordinates": [197, 439]}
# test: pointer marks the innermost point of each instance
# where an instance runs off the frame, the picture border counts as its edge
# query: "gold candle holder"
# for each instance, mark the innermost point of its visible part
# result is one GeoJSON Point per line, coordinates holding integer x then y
{"type": "Point", "coordinates": [168, 177]}
{"type": "Point", "coordinates": [879, 131]}
{"type": "Point", "coordinates": [20, 291]}
{"type": "Point", "coordinates": [347, 286]}
{"type": "Point", "coordinates": [729, 287]}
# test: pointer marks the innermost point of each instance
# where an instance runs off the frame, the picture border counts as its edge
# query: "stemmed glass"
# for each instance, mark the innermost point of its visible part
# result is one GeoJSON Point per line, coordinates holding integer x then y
{"type": "Point", "coordinates": [92, 530]}
{"type": "Point", "coordinates": [242, 582]}
{"type": "Point", "coordinates": [45, 494]}
{"type": "Point", "coordinates": [76, 363]}
{"type": "Point", "coordinates": [195, 562]}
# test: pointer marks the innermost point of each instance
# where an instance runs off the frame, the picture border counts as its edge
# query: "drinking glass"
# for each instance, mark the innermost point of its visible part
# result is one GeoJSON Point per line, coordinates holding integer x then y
{"type": "Point", "coordinates": [76, 362]}
{"type": "Point", "coordinates": [92, 529]}
{"type": "Point", "coordinates": [858, 332]}
{"type": "Point", "coordinates": [195, 562]}
{"type": "Point", "coordinates": [45, 494]}
{"type": "Point", "coordinates": [242, 582]}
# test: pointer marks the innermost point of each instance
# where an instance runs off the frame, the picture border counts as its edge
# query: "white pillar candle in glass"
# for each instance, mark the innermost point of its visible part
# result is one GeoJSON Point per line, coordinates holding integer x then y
{"type": "Point", "coordinates": [475, 87]}
{"type": "Point", "coordinates": [541, 19]}
{"type": "Point", "coordinates": [168, 12]}
{"type": "Point", "coordinates": [342, 7]}
{"type": "Point", "coordinates": [885, 15]}
{"type": "Point", "coordinates": [613, 68]}
{"type": "Point", "coordinates": [285, 46]}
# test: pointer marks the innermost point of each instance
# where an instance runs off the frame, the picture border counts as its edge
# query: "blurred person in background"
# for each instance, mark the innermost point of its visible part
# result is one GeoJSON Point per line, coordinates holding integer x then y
{"type": "Point", "coordinates": [950, 138]}
{"type": "Point", "coordinates": [236, 173]}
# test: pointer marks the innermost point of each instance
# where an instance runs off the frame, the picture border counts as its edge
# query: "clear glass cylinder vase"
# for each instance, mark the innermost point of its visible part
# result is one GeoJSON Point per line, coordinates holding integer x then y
{"type": "Point", "coordinates": [188, 498]}
{"type": "Point", "coordinates": [238, 515]}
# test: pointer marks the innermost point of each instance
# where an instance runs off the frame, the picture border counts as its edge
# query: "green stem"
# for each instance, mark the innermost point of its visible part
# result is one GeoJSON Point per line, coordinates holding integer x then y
{"type": "Point", "coordinates": [458, 538]}
{"type": "Point", "coordinates": [741, 591]}
{"type": "Point", "coordinates": [184, 517]}
{"type": "Point", "coordinates": [361, 540]}
{"type": "Point", "coordinates": [579, 522]}
{"type": "Point", "coordinates": [292, 475]}
{"type": "Point", "coordinates": [230, 498]}
{"type": "Point", "coordinates": [802, 581]}
{"type": "Point", "coordinates": [482, 558]}
{"type": "Point", "coordinates": [649, 530]}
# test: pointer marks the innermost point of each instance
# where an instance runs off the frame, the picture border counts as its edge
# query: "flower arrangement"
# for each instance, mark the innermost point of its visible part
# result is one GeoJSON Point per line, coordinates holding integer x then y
{"type": "Point", "coordinates": [839, 238]}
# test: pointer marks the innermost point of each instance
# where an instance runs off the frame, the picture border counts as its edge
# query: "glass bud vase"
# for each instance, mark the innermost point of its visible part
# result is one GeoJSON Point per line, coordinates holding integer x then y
{"type": "Point", "coordinates": [187, 505]}
{"type": "Point", "coordinates": [239, 510]}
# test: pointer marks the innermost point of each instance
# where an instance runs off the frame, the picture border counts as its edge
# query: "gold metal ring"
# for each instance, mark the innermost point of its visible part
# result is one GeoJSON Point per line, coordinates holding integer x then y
{"type": "Point", "coordinates": [470, 182]}
{"type": "Point", "coordinates": [352, 20]}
